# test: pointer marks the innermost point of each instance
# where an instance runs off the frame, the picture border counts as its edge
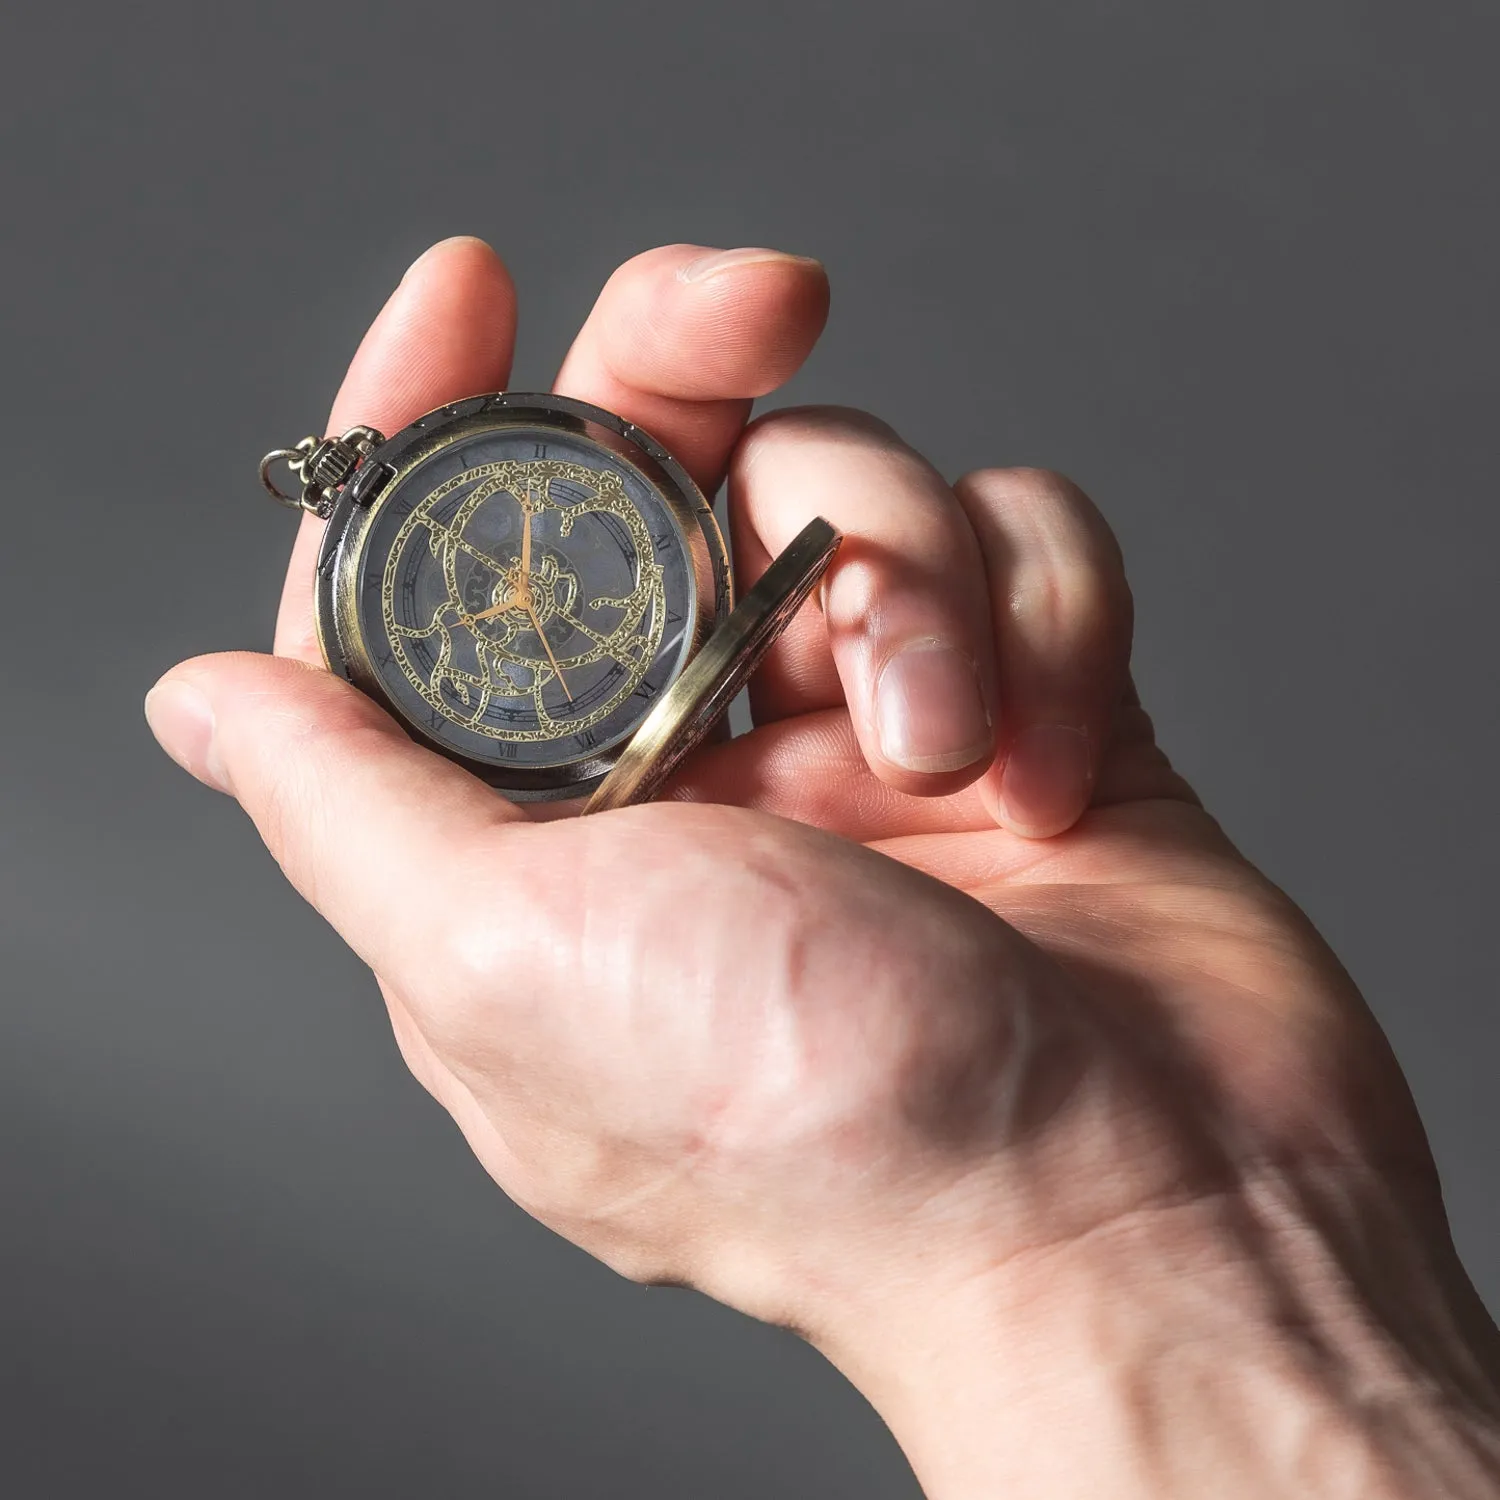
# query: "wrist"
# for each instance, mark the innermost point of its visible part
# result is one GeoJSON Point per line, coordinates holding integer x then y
{"type": "Point", "coordinates": [1225, 1342]}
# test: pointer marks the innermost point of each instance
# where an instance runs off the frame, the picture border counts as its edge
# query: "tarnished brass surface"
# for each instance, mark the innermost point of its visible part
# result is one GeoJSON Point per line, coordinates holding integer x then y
{"type": "Point", "coordinates": [688, 709]}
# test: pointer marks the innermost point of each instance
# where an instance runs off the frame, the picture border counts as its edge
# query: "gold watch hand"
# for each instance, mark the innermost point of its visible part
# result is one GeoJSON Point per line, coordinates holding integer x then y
{"type": "Point", "coordinates": [526, 541]}
{"type": "Point", "coordinates": [547, 647]}
{"type": "Point", "coordinates": [508, 602]}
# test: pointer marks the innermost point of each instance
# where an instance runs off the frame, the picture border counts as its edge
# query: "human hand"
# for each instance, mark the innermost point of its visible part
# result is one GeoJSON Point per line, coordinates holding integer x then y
{"type": "Point", "coordinates": [934, 1017]}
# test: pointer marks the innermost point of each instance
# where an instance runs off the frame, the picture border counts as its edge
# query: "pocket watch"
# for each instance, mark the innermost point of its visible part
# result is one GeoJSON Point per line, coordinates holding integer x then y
{"type": "Point", "coordinates": [536, 588]}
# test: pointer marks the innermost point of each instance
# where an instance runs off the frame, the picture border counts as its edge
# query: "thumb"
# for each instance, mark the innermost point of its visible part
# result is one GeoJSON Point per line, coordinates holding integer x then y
{"type": "Point", "coordinates": [358, 815]}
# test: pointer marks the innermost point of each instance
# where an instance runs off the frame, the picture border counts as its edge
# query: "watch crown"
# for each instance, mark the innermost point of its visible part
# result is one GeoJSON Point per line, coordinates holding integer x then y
{"type": "Point", "coordinates": [331, 463]}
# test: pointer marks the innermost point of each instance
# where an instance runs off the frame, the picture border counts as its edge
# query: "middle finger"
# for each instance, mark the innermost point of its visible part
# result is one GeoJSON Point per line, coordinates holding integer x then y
{"type": "Point", "coordinates": [905, 636]}
{"type": "Point", "coordinates": [683, 338]}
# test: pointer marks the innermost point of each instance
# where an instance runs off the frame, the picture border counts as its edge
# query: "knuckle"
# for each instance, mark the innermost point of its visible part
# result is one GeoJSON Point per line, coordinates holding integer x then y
{"type": "Point", "coordinates": [838, 425]}
{"type": "Point", "coordinates": [1059, 563]}
{"type": "Point", "coordinates": [1046, 482]}
{"type": "Point", "coordinates": [1004, 492]}
{"type": "Point", "coordinates": [1061, 603]}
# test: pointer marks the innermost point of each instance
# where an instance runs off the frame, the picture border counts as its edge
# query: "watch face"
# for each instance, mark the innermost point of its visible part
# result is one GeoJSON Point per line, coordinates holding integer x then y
{"type": "Point", "coordinates": [524, 592]}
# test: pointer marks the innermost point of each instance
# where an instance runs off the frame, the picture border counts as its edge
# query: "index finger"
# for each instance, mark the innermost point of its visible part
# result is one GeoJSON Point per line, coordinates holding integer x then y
{"type": "Point", "coordinates": [446, 332]}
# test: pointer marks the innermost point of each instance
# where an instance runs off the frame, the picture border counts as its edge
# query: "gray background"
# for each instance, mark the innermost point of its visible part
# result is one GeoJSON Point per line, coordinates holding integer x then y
{"type": "Point", "coordinates": [1231, 267]}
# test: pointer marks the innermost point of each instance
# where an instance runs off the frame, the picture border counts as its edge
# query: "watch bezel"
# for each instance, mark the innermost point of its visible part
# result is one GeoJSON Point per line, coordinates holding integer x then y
{"type": "Point", "coordinates": [384, 474]}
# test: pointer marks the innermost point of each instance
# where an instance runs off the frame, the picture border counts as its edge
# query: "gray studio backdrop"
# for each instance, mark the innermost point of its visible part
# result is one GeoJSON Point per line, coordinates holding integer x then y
{"type": "Point", "coordinates": [1234, 268]}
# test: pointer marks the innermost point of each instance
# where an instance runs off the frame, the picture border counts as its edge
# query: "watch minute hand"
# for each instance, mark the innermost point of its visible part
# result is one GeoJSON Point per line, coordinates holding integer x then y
{"type": "Point", "coordinates": [547, 647]}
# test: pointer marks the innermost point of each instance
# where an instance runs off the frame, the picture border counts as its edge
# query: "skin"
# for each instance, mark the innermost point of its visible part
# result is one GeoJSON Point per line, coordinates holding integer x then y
{"type": "Point", "coordinates": [934, 1018]}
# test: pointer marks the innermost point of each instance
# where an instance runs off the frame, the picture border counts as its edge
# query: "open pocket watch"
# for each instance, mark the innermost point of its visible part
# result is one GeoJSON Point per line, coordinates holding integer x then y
{"type": "Point", "coordinates": [535, 588]}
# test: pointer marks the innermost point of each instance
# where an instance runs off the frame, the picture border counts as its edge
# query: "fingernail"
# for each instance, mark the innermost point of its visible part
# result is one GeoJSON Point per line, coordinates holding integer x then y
{"type": "Point", "coordinates": [183, 723]}
{"type": "Point", "coordinates": [929, 710]}
{"type": "Point", "coordinates": [723, 260]}
{"type": "Point", "coordinates": [1047, 780]}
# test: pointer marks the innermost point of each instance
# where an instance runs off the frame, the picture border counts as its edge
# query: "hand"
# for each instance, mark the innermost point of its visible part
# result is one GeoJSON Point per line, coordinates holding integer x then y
{"type": "Point", "coordinates": [934, 1017]}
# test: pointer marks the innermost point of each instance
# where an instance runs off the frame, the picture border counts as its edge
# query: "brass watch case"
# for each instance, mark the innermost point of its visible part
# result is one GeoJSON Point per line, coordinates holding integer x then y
{"type": "Point", "coordinates": [385, 472]}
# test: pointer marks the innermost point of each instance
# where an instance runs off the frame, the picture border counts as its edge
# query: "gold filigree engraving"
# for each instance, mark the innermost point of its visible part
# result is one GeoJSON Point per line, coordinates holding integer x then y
{"type": "Point", "coordinates": [513, 624]}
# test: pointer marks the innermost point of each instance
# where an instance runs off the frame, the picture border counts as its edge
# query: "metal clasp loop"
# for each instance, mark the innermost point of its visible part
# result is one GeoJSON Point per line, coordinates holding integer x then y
{"type": "Point", "coordinates": [323, 466]}
{"type": "Point", "coordinates": [296, 460]}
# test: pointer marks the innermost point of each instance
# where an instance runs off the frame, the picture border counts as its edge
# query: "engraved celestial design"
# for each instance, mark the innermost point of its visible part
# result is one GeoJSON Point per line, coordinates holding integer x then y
{"type": "Point", "coordinates": [516, 577]}
{"type": "Point", "coordinates": [520, 643]}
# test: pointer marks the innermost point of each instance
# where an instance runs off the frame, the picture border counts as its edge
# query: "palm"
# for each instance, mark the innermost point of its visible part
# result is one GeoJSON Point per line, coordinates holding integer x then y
{"type": "Point", "coordinates": [806, 1015]}
{"type": "Point", "coordinates": [1144, 899]}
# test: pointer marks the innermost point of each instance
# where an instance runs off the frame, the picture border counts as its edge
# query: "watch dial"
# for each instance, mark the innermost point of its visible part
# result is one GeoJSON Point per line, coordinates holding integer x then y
{"type": "Point", "coordinates": [525, 594]}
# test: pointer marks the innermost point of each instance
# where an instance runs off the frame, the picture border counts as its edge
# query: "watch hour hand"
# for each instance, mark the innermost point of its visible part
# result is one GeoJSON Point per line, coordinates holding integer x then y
{"type": "Point", "coordinates": [489, 614]}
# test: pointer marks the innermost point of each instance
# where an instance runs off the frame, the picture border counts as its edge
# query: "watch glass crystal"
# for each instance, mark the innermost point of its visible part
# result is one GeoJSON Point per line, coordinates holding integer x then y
{"type": "Point", "coordinates": [523, 595]}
